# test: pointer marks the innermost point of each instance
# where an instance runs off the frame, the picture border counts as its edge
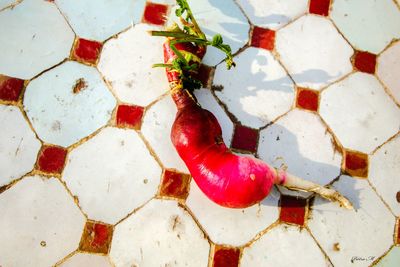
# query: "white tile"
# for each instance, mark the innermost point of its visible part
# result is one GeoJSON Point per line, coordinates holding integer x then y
{"type": "Point", "coordinates": [60, 115]}
{"type": "Point", "coordinates": [112, 174]}
{"type": "Point", "coordinates": [85, 260]}
{"type": "Point", "coordinates": [7, 3]}
{"type": "Point", "coordinates": [156, 129]}
{"type": "Point", "coordinates": [126, 62]}
{"type": "Point", "coordinates": [391, 259]}
{"type": "Point", "coordinates": [283, 246]}
{"type": "Point", "coordinates": [314, 52]}
{"type": "Point", "coordinates": [257, 90]}
{"type": "Point", "coordinates": [343, 234]}
{"type": "Point", "coordinates": [159, 234]}
{"type": "Point", "coordinates": [369, 25]}
{"type": "Point", "coordinates": [273, 14]}
{"type": "Point", "coordinates": [40, 223]}
{"type": "Point", "coordinates": [100, 19]}
{"type": "Point", "coordinates": [359, 112]}
{"type": "Point", "coordinates": [18, 145]}
{"type": "Point", "coordinates": [389, 68]}
{"type": "Point", "coordinates": [229, 226]}
{"type": "Point", "coordinates": [31, 42]}
{"type": "Point", "coordinates": [384, 169]}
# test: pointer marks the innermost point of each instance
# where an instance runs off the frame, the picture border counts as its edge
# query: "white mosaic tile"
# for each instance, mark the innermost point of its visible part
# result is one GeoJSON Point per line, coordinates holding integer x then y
{"type": "Point", "coordinates": [369, 25]}
{"type": "Point", "coordinates": [389, 68]}
{"type": "Point", "coordinates": [273, 14]}
{"type": "Point", "coordinates": [100, 19]}
{"type": "Point", "coordinates": [31, 44]}
{"type": "Point", "coordinates": [228, 226]}
{"type": "Point", "coordinates": [300, 141]}
{"type": "Point", "coordinates": [112, 174]}
{"type": "Point", "coordinates": [7, 3]}
{"type": "Point", "coordinates": [391, 259]}
{"type": "Point", "coordinates": [283, 246]}
{"type": "Point", "coordinates": [126, 62]}
{"type": "Point", "coordinates": [85, 260]}
{"type": "Point", "coordinates": [63, 113]}
{"type": "Point", "coordinates": [156, 128]}
{"type": "Point", "coordinates": [384, 169]}
{"type": "Point", "coordinates": [313, 52]}
{"type": "Point", "coordinates": [207, 101]}
{"type": "Point", "coordinates": [18, 145]}
{"type": "Point", "coordinates": [258, 90]}
{"type": "Point", "coordinates": [344, 234]}
{"type": "Point", "coordinates": [42, 225]}
{"type": "Point", "coordinates": [171, 239]}
{"type": "Point", "coordinates": [359, 112]}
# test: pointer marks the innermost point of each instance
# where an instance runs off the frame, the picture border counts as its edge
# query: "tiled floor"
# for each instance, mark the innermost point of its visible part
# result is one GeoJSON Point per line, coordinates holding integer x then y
{"type": "Point", "coordinates": [88, 174]}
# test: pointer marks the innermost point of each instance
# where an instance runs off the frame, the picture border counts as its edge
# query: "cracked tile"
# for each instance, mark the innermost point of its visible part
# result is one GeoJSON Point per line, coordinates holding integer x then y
{"type": "Point", "coordinates": [84, 260]}
{"type": "Point", "coordinates": [388, 69]}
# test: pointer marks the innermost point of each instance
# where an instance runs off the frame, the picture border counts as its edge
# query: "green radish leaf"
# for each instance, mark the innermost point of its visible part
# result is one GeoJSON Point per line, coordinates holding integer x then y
{"type": "Point", "coordinates": [217, 40]}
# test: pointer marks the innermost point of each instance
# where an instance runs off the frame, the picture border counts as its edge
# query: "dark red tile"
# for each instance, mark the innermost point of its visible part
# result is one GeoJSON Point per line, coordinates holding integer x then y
{"type": "Point", "coordinates": [96, 237]}
{"type": "Point", "coordinates": [87, 51]}
{"type": "Point", "coordinates": [51, 159]}
{"type": "Point", "coordinates": [203, 75]}
{"type": "Point", "coordinates": [129, 116]}
{"type": "Point", "coordinates": [398, 196]}
{"type": "Point", "coordinates": [10, 88]}
{"type": "Point", "coordinates": [365, 62]}
{"type": "Point", "coordinates": [245, 138]}
{"type": "Point", "coordinates": [398, 232]}
{"type": "Point", "coordinates": [175, 184]}
{"type": "Point", "coordinates": [293, 210]}
{"type": "Point", "coordinates": [356, 163]}
{"type": "Point", "coordinates": [155, 13]}
{"type": "Point", "coordinates": [263, 38]}
{"type": "Point", "coordinates": [226, 257]}
{"type": "Point", "coordinates": [307, 99]}
{"type": "Point", "coordinates": [320, 7]}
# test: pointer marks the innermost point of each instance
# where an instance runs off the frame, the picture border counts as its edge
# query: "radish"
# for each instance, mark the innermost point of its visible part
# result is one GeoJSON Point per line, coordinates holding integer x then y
{"type": "Point", "coordinates": [227, 179]}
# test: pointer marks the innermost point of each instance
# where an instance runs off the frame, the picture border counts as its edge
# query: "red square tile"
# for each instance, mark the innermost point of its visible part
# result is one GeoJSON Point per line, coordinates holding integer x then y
{"type": "Point", "coordinates": [129, 116]}
{"type": "Point", "coordinates": [86, 51]}
{"type": "Point", "coordinates": [245, 138]}
{"type": "Point", "coordinates": [263, 38]}
{"type": "Point", "coordinates": [10, 88]}
{"type": "Point", "coordinates": [175, 184]}
{"type": "Point", "coordinates": [307, 99]}
{"type": "Point", "coordinates": [51, 159]}
{"type": "Point", "coordinates": [293, 210]}
{"type": "Point", "coordinates": [365, 62]}
{"type": "Point", "coordinates": [96, 237]}
{"type": "Point", "coordinates": [203, 75]}
{"type": "Point", "coordinates": [155, 13]}
{"type": "Point", "coordinates": [356, 163]}
{"type": "Point", "coordinates": [226, 257]}
{"type": "Point", "coordinates": [320, 7]}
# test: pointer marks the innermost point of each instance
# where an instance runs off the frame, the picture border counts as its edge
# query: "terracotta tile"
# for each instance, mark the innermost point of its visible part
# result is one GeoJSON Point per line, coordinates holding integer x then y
{"type": "Point", "coordinates": [365, 62]}
{"type": "Point", "coordinates": [398, 232]}
{"type": "Point", "coordinates": [203, 75]}
{"type": "Point", "coordinates": [245, 138]}
{"type": "Point", "coordinates": [263, 38]}
{"type": "Point", "coordinates": [51, 159]}
{"type": "Point", "coordinates": [226, 257]}
{"type": "Point", "coordinates": [96, 237]}
{"type": "Point", "coordinates": [87, 51]}
{"type": "Point", "coordinates": [293, 210]}
{"type": "Point", "coordinates": [356, 163]}
{"type": "Point", "coordinates": [175, 184]}
{"type": "Point", "coordinates": [307, 99]}
{"type": "Point", "coordinates": [10, 88]}
{"type": "Point", "coordinates": [155, 13]}
{"type": "Point", "coordinates": [129, 116]}
{"type": "Point", "coordinates": [320, 7]}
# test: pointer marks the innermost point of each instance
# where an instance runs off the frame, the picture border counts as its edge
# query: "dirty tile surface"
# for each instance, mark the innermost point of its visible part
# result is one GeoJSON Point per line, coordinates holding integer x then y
{"type": "Point", "coordinates": [89, 175]}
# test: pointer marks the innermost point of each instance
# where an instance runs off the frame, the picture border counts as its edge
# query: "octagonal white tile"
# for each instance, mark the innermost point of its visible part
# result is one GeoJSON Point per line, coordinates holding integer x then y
{"type": "Point", "coordinates": [369, 25]}
{"type": "Point", "coordinates": [359, 112]}
{"type": "Point", "coordinates": [389, 68]}
{"type": "Point", "coordinates": [156, 128]}
{"type": "Point", "coordinates": [314, 52]}
{"type": "Point", "coordinates": [171, 239]}
{"type": "Point", "coordinates": [126, 62]}
{"type": "Point", "coordinates": [391, 259]}
{"type": "Point", "coordinates": [282, 246]}
{"type": "Point", "coordinates": [63, 113]}
{"type": "Point", "coordinates": [85, 260]}
{"type": "Point", "coordinates": [228, 226]}
{"type": "Point", "coordinates": [273, 14]}
{"type": "Point", "coordinates": [100, 19]}
{"type": "Point", "coordinates": [31, 44]}
{"type": "Point", "coordinates": [344, 234]}
{"type": "Point", "coordinates": [18, 145]}
{"type": "Point", "coordinates": [300, 141]}
{"type": "Point", "coordinates": [40, 223]}
{"type": "Point", "coordinates": [257, 90]}
{"type": "Point", "coordinates": [112, 174]}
